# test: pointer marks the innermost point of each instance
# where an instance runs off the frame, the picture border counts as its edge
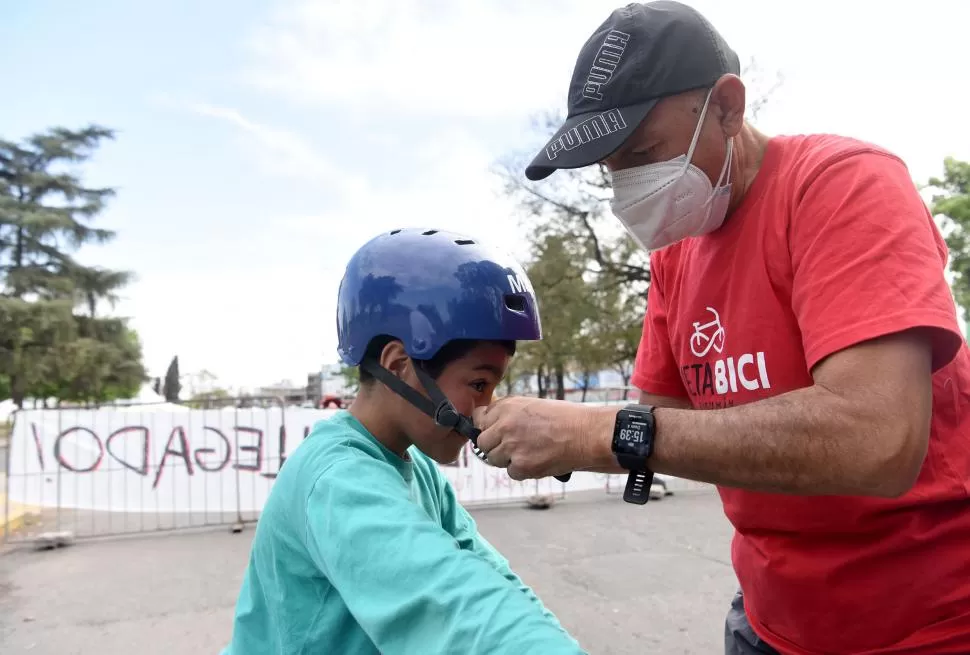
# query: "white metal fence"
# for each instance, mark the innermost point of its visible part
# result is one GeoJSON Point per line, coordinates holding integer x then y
{"type": "Point", "coordinates": [157, 467]}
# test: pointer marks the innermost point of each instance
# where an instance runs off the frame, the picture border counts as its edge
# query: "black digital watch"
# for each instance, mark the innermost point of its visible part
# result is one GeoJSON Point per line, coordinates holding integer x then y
{"type": "Point", "coordinates": [633, 435]}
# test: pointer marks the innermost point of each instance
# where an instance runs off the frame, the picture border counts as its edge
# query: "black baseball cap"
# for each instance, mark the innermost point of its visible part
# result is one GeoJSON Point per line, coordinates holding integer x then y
{"type": "Point", "coordinates": [643, 52]}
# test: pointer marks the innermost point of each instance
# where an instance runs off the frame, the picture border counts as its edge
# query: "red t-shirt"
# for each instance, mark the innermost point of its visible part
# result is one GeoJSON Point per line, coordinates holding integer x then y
{"type": "Point", "coordinates": [831, 246]}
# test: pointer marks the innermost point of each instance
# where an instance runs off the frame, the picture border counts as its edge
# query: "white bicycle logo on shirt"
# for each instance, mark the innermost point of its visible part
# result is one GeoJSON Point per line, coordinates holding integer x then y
{"type": "Point", "coordinates": [704, 339]}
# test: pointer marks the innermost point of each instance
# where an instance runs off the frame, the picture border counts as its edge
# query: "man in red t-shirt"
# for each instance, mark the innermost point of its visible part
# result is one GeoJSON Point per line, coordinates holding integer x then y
{"type": "Point", "coordinates": [799, 300]}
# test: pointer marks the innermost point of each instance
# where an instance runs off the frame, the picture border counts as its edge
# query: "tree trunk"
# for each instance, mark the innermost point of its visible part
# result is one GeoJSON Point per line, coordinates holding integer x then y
{"type": "Point", "coordinates": [18, 262]}
{"type": "Point", "coordinates": [585, 385]}
{"type": "Point", "coordinates": [626, 372]}
{"type": "Point", "coordinates": [17, 382]}
{"type": "Point", "coordinates": [560, 382]}
{"type": "Point", "coordinates": [540, 380]}
{"type": "Point", "coordinates": [17, 392]}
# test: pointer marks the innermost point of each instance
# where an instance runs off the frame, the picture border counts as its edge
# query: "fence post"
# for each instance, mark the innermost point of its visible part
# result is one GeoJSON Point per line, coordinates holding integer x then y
{"type": "Point", "coordinates": [238, 526]}
{"type": "Point", "coordinates": [6, 476]}
{"type": "Point", "coordinates": [57, 512]}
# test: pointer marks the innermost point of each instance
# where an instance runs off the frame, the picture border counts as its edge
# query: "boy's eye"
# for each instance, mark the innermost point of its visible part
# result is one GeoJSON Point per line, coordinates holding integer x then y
{"type": "Point", "coordinates": [478, 386]}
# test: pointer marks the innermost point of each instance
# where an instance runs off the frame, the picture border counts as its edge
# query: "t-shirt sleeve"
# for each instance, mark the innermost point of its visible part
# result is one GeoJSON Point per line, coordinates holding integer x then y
{"type": "Point", "coordinates": [406, 581]}
{"type": "Point", "coordinates": [459, 523]}
{"type": "Point", "coordinates": [656, 371]}
{"type": "Point", "coordinates": [867, 259]}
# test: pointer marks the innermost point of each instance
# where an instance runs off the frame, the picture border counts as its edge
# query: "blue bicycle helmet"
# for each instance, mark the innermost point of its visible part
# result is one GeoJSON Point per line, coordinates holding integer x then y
{"type": "Point", "coordinates": [428, 287]}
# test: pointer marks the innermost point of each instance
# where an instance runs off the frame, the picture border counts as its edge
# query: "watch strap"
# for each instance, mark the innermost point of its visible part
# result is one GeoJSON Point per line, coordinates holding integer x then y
{"type": "Point", "coordinates": [640, 419]}
{"type": "Point", "coordinates": [638, 485]}
{"type": "Point", "coordinates": [631, 462]}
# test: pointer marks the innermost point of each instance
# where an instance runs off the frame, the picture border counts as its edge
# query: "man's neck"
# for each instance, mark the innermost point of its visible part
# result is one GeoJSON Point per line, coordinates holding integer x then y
{"type": "Point", "coordinates": [372, 412]}
{"type": "Point", "coordinates": [751, 145]}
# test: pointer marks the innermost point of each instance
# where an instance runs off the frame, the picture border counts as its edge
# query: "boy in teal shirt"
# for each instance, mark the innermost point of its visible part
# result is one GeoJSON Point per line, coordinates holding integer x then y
{"type": "Point", "coordinates": [362, 546]}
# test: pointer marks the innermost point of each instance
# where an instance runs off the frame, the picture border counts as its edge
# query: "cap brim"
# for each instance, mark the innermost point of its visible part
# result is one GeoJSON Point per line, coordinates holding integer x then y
{"type": "Point", "coordinates": [585, 139]}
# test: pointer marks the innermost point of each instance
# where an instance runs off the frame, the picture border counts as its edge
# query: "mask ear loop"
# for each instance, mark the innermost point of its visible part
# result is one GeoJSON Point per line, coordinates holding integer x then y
{"type": "Point", "coordinates": [697, 130]}
{"type": "Point", "coordinates": [727, 165]}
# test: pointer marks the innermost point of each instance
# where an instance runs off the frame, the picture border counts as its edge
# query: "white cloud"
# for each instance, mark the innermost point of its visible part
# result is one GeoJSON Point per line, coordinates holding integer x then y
{"type": "Point", "coordinates": [470, 58]}
{"type": "Point", "coordinates": [293, 155]}
{"type": "Point", "coordinates": [279, 151]}
{"type": "Point", "coordinates": [253, 325]}
{"type": "Point", "coordinates": [452, 190]}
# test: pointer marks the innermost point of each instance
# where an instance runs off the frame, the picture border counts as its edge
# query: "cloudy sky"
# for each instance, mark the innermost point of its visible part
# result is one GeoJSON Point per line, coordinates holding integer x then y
{"type": "Point", "coordinates": [261, 141]}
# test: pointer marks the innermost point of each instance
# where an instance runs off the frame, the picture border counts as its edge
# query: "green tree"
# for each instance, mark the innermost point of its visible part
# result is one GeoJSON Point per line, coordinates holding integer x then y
{"type": "Point", "coordinates": [45, 210]}
{"type": "Point", "coordinates": [46, 215]}
{"type": "Point", "coordinates": [518, 373]}
{"type": "Point", "coordinates": [105, 362]}
{"type": "Point", "coordinates": [620, 307]}
{"type": "Point", "coordinates": [173, 384]}
{"type": "Point", "coordinates": [351, 376]}
{"type": "Point", "coordinates": [952, 205]}
{"type": "Point", "coordinates": [93, 284]}
{"type": "Point", "coordinates": [30, 335]}
{"type": "Point", "coordinates": [566, 307]}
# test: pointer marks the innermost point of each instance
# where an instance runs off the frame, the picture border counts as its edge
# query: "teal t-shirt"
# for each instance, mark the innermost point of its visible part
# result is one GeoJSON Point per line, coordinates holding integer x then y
{"type": "Point", "coordinates": [358, 551]}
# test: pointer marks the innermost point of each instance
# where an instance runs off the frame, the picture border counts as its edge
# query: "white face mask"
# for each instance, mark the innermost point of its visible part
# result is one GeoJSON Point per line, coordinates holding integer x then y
{"type": "Point", "coordinates": [660, 204]}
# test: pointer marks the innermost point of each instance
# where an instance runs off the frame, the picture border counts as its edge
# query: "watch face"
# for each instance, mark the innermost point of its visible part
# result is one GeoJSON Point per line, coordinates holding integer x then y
{"type": "Point", "coordinates": [634, 434]}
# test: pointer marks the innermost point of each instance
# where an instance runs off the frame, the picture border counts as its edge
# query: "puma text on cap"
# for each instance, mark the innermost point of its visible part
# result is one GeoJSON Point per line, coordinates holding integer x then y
{"type": "Point", "coordinates": [640, 54]}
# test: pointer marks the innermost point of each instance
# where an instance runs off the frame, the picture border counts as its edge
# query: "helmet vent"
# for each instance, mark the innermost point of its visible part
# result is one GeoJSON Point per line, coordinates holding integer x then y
{"type": "Point", "coordinates": [464, 242]}
{"type": "Point", "coordinates": [429, 233]}
{"type": "Point", "coordinates": [395, 231]}
{"type": "Point", "coordinates": [515, 303]}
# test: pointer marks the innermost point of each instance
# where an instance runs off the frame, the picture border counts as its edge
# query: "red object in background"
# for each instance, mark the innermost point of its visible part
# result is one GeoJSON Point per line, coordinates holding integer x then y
{"type": "Point", "coordinates": [331, 401]}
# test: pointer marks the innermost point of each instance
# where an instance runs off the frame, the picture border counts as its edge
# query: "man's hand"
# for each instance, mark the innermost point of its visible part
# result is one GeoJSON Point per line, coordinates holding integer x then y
{"type": "Point", "coordinates": [536, 438]}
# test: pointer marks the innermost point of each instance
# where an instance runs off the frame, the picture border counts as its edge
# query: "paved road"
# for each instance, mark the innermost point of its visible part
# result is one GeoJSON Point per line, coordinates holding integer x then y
{"type": "Point", "coordinates": [623, 579]}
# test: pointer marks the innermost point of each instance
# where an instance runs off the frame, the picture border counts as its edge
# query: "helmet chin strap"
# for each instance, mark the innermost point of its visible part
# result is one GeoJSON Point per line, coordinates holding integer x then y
{"type": "Point", "coordinates": [437, 406]}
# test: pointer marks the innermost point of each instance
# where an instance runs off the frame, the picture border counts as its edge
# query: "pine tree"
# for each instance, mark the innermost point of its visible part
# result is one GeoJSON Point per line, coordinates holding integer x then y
{"type": "Point", "coordinates": [172, 385]}
{"type": "Point", "coordinates": [46, 215]}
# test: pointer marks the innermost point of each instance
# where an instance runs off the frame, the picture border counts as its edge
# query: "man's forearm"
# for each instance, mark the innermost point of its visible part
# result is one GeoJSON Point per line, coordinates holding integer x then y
{"type": "Point", "coordinates": [605, 462]}
{"type": "Point", "coordinates": [809, 441]}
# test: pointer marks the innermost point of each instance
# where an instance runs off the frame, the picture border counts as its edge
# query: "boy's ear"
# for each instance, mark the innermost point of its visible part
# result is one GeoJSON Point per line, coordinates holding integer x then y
{"type": "Point", "coordinates": [395, 359]}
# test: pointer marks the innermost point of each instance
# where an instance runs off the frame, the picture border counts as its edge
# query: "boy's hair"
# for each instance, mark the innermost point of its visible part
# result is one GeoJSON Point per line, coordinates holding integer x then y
{"type": "Point", "coordinates": [455, 349]}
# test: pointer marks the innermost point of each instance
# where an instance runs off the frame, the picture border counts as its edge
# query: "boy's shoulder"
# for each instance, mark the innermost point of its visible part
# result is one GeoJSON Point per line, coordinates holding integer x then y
{"type": "Point", "coordinates": [341, 439]}
{"type": "Point", "coordinates": [338, 445]}
{"type": "Point", "coordinates": [336, 437]}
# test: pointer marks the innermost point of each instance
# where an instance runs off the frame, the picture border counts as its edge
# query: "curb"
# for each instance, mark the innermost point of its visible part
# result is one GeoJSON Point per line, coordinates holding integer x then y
{"type": "Point", "coordinates": [14, 519]}
{"type": "Point", "coordinates": [13, 516]}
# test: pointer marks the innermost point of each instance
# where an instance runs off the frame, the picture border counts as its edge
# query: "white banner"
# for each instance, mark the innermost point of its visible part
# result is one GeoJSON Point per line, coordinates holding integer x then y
{"type": "Point", "coordinates": [170, 459]}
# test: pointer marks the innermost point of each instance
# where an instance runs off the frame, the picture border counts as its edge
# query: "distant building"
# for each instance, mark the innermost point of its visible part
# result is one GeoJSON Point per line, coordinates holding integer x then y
{"type": "Point", "coordinates": [314, 385]}
{"type": "Point", "coordinates": [289, 392]}
{"type": "Point", "coordinates": [198, 383]}
{"type": "Point", "coordinates": [333, 383]}
{"type": "Point", "coordinates": [321, 386]}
